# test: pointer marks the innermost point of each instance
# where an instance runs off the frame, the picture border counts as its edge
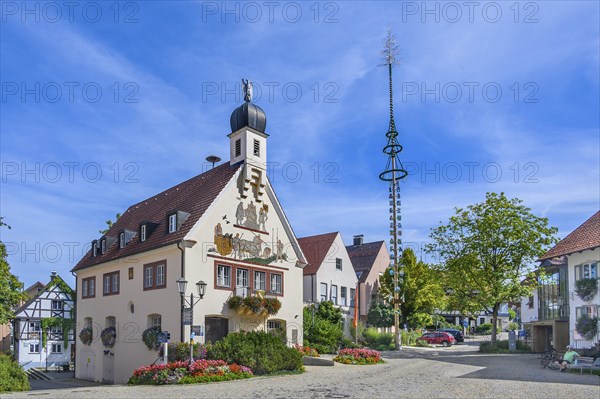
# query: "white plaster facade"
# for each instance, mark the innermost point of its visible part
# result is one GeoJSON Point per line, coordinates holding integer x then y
{"type": "Point", "coordinates": [135, 309]}
{"type": "Point", "coordinates": [51, 302]}
{"type": "Point", "coordinates": [335, 280]}
{"type": "Point", "coordinates": [590, 259]}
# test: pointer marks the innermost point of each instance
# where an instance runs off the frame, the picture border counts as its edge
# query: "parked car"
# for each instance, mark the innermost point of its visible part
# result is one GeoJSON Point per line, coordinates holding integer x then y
{"type": "Point", "coordinates": [455, 333]}
{"type": "Point", "coordinates": [438, 338]}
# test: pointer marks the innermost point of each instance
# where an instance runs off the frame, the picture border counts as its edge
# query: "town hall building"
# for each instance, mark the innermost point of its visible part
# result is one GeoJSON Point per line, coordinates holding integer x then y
{"type": "Point", "coordinates": [223, 231]}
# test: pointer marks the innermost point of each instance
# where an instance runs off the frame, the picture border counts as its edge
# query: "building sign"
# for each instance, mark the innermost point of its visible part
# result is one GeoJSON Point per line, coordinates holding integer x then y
{"type": "Point", "coordinates": [187, 317]}
{"type": "Point", "coordinates": [198, 330]}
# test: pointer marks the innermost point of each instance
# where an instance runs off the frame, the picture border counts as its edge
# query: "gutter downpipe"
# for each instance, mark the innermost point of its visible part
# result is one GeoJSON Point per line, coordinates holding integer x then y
{"type": "Point", "coordinates": [74, 324]}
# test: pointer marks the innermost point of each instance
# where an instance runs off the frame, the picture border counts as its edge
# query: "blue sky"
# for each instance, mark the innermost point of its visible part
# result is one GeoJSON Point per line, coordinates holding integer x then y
{"type": "Point", "coordinates": [103, 106]}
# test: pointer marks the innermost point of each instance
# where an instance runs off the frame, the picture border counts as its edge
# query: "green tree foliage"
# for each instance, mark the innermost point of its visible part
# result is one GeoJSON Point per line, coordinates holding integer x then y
{"type": "Point", "coordinates": [11, 289]}
{"type": "Point", "coordinates": [421, 290]}
{"type": "Point", "coordinates": [487, 249]}
{"type": "Point", "coordinates": [12, 376]}
{"type": "Point", "coordinates": [109, 224]}
{"type": "Point", "coordinates": [323, 327]}
{"type": "Point", "coordinates": [380, 315]}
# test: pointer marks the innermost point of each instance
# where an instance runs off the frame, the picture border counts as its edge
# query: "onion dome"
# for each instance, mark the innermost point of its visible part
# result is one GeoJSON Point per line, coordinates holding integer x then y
{"type": "Point", "coordinates": [250, 115]}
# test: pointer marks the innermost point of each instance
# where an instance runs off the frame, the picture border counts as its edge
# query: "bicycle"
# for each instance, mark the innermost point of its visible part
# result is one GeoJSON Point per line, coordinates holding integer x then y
{"type": "Point", "coordinates": [548, 358]}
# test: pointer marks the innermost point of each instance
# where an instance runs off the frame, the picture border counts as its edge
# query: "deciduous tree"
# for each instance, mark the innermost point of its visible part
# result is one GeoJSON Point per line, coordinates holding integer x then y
{"type": "Point", "coordinates": [487, 249]}
{"type": "Point", "coordinates": [10, 287]}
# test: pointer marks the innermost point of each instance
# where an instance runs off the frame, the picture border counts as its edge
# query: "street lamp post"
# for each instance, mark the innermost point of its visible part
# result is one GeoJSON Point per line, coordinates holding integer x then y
{"type": "Point", "coordinates": [201, 287]}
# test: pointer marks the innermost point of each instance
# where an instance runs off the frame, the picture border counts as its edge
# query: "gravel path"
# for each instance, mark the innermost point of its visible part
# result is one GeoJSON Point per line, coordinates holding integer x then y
{"type": "Point", "coordinates": [413, 373]}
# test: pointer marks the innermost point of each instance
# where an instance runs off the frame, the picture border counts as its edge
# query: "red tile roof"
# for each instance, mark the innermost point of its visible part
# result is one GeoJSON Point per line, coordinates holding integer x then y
{"type": "Point", "coordinates": [363, 257]}
{"type": "Point", "coordinates": [586, 236]}
{"type": "Point", "coordinates": [315, 249]}
{"type": "Point", "coordinates": [193, 196]}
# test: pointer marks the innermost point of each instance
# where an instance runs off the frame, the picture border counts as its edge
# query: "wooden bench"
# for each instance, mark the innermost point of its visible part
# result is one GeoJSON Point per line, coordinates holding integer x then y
{"type": "Point", "coordinates": [582, 362]}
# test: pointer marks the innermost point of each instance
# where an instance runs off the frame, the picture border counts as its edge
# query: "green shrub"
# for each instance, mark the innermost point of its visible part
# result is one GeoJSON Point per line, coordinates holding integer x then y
{"type": "Point", "coordinates": [421, 342]}
{"type": "Point", "coordinates": [263, 352]}
{"type": "Point", "coordinates": [512, 326]}
{"type": "Point", "coordinates": [501, 346]}
{"type": "Point", "coordinates": [379, 341]}
{"type": "Point", "coordinates": [324, 334]}
{"type": "Point", "coordinates": [485, 328]}
{"type": "Point", "coordinates": [409, 338]}
{"type": "Point", "coordinates": [180, 351]}
{"type": "Point", "coordinates": [12, 376]}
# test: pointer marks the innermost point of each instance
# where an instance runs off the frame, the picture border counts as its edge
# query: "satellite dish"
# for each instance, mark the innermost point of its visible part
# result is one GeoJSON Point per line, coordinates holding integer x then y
{"type": "Point", "coordinates": [213, 159]}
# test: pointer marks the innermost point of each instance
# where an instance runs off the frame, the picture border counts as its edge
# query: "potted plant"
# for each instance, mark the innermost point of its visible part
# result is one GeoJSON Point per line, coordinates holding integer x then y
{"type": "Point", "coordinates": [150, 338]}
{"type": "Point", "coordinates": [235, 303]}
{"type": "Point", "coordinates": [86, 335]}
{"type": "Point", "coordinates": [586, 288]}
{"type": "Point", "coordinates": [587, 326]}
{"type": "Point", "coordinates": [253, 304]}
{"type": "Point", "coordinates": [271, 306]}
{"type": "Point", "coordinates": [109, 336]}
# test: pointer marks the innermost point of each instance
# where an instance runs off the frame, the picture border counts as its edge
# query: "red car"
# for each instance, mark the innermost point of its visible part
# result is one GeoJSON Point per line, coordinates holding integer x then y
{"type": "Point", "coordinates": [438, 338]}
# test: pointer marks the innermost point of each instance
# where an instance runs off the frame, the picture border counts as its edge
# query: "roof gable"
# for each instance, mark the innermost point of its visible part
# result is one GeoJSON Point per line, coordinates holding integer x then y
{"type": "Point", "coordinates": [363, 257]}
{"type": "Point", "coordinates": [55, 284]}
{"type": "Point", "coordinates": [193, 196]}
{"type": "Point", "coordinates": [586, 236]}
{"type": "Point", "coordinates": [315, 248]}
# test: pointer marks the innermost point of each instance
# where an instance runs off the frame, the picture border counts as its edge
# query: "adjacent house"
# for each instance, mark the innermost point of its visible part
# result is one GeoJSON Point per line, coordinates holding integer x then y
{"type": "Point", "coordinates": [42, 327]}
{"type": "Point", "coordinates": [6, 330]}
{"type": "Point", "coordinates": [369, 261]}
{"type": "Point", "coordinates": [224, 228]}
{"type": "Point", "coordinates": [329, 275]}
{"type": "Point", "coordinates": [552, 310]}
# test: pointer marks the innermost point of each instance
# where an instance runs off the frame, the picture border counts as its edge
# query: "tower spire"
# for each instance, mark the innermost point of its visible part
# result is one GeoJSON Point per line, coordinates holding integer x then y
{"type": "Point", "coordinates": [393, 173]}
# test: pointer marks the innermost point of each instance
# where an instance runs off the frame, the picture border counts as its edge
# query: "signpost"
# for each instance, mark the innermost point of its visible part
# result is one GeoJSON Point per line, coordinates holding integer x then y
{"type": "Point", "coordinates": [187, 316]}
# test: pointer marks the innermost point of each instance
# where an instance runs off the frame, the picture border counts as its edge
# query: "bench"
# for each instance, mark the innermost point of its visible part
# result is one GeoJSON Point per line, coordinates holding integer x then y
{"type": "Point", "coordinates": [582, 362]}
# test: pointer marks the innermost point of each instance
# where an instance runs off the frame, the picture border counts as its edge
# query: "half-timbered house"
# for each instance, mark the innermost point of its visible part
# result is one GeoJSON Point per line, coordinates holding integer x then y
{"type": "Point", "coordinates": [43, 333]}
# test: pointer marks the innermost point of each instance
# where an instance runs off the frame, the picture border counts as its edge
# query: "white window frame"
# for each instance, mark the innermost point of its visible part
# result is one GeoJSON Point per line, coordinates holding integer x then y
{"type": "Point", "coordinates": [156, 320]}
{"type": "Point", "coordinates": [338, 262]}
{"type": "Point", "coordinates": [276, 283]}
{"type": "Point", "coordinates": [56, 345]}
{"type": "Point", "coordinates": [84, 288]}
{"type": "Point", "coordinates": [352, 295]}
{"type": "Point", "coordinates": [94, 249]}
{"type": "Point", "coordinates": [111, 321]}
{"type": "Point", "coordinates": [260, 281]}
{"type": "Point", "coordinates": [344, 296]}
{"type": "Point", "coordinates": [273, 325]}
{"type": "Point", "coordinates": [92, 287]}
{"type": "Point", "coordinates": [56, 330]}
{"type": "Point", "coordinates": [149, 274]}
{"type": "Point", "coordinates": [334, 294]}
{"type": "Point", "coordinates": [160, 275]}
{"type": "Point", "coordinates": [242, 278]}
{"type": "Point", "coordinates": [36, 347]}
{"type": "Point", "coordinates": [173, 223]}
{"type": "Point", "coordinates": [103, 246]}
{"type": "Point", "coordinates": [224, 276]}
{"type": "Point", "coordinates": [60, 303]}
{"type": "Point", "coordinates": [115, 283]}
{"type": "Point", "coordinates": [323, 293]}
{"type": "Point", "coordinates": [106, 284]}
{"type": "Point", "coordinates": [122, 240]}
{"type": "Point", "coordinates": [35, 326]}
{"type": "Point", "coordinates": [143, 233]}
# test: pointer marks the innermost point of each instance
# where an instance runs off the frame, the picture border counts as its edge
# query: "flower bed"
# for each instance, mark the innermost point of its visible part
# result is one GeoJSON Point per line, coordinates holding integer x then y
{"type": "Point", "coordinates": [184, 373]}
{"type": "Point", "coordinates": [358, 356]}
{"type": "Point", "coordinates": [306, 350]}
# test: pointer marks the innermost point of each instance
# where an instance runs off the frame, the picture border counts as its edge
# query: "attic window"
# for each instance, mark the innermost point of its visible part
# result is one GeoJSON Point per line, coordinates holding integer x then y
{"type": "Point", "coordinates": [238, 147]}
{"type": "Point", "coordinates": [338, 263]}
{"type": "Point", "coordinates": [103, 246]}
{"type": "Point", "coordinates": [143, 233]}
{"type": "Point", "coordinates": [122, 240]}
{"type": "Point", "coordinates": [94, 248]}
{"type": "Point", "coordinates": [256, 148]}
{"type": "Point", "coordinates": [173, 223]}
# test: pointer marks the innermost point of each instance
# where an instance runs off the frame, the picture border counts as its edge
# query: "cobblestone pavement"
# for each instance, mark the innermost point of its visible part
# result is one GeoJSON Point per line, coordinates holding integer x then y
{"type": "Point", "coordinates": [457, 372]}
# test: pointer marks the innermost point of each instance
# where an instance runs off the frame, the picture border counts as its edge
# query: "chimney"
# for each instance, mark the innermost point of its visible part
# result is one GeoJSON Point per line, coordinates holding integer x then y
{"type": "Point", "coordinates": [358, 239]}
{"type": "Point", "coordinates": [52, 274]}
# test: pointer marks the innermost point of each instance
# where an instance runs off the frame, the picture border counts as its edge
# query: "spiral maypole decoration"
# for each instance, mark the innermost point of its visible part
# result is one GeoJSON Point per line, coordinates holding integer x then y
{"type": "Point", "coordinates": [393, 173]}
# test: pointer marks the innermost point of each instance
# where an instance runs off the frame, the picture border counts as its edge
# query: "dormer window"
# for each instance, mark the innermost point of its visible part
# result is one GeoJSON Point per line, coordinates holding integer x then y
{"type": "Point", "coordinates": [94, 248]}
{"type": "Point", "coordinates": [173, 223]}
{"type": "Point", "coordinates": [238, 147]}
{"type": "Point", "coordinates": [122, 240]}
{"type": "Point", "coordinates": [143, 233]}
{"type": "Point", "coordinates": [256, 148]}
{"type": "Point", "coordinates": [103, 246]}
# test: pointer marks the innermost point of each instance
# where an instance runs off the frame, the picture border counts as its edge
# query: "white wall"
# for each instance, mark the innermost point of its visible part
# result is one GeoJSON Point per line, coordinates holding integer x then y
{"type": "Point", "coordinates": [574, 300]}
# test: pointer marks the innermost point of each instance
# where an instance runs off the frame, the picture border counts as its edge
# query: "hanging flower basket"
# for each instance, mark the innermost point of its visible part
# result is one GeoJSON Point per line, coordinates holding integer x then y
{"type": "Point", "coordinates": [109, 336]}
{"type": "Point", "coordinates": [150, 338]}
{"type": "Point", "coordinates": [86, 335]}
{"type": "Point", "coordinates": [253, 304]}
{"type": "Point", "coordinates": [235, 302]}
{"type": "Point", "coordinates": [586, 288]}
{"type": "Point", "coordinates": [587, 326]}
{"type": "Point", "coordinates": [271, 306]}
